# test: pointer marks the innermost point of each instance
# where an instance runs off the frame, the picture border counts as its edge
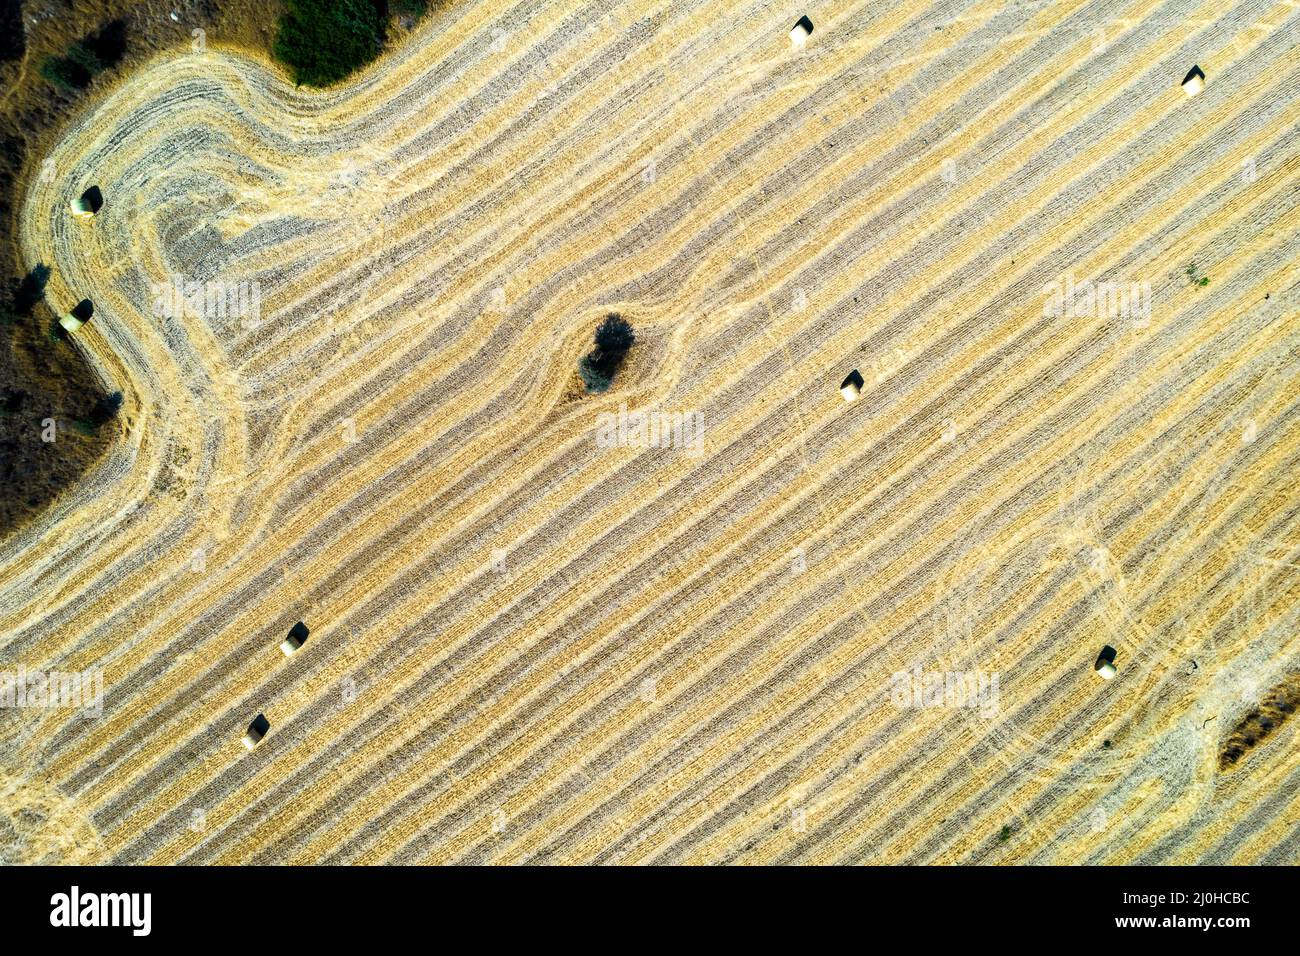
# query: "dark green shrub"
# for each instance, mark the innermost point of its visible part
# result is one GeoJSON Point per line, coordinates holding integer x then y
{"type": "Point", "coordinates": [104, 48]}
{"type": "Point", "coordinates": [322, 41]}
{"type": "Point", "coordinates": [614, 335]}
{"type": "Point", "coordinates": [596, 377]}
{"type": "Point", "coordinates": [85, 58]}
{"type": "Point", "coordinates": [12, 40]}
{"type": "Point", "coordinates": [106, 409]}
{"type": "Point", "coordinates": [90, 55]}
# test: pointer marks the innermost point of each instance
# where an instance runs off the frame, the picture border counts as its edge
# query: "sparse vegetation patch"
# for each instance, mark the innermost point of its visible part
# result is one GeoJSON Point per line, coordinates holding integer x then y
{"type": "Point", "coordinates": [1276, 707]}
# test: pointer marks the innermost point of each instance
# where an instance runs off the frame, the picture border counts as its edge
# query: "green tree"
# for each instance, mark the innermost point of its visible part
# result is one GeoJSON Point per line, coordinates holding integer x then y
{"type": "Point", "coordinates": [29, 291]}
{"type": "Point", "coordinates": [322, 41]}
{"type": "Point", "coordinates": [596, 377]}
{"type": "Point", "coordinates": [106, 408]}
{"type": "Point", "coordinates": [65, 73]}
{"type": "Point", "coordinates": [411, 8]}
{"type": "Point", "coordinates": [614, 335]}
{"type": "Point", "coordinates": [85, 58]}
{"type": "Point", "coordinates": [90, 55]}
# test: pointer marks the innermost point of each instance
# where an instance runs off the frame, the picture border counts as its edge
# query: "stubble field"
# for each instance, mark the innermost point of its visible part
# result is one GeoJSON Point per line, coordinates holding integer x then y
{"type": "Point", "coordinates": [529, 647]}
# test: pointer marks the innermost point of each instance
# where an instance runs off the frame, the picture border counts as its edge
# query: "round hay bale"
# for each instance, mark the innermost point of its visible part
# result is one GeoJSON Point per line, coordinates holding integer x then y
{"type": "Point", "coordinates": [296, 638]}
{"type": "Point", "coordinates": [1194, 81]}
{"type": "Point", "coordinates": [88, 203]}
{"type": "Point", "coordinates": [800, 33]}
{"type": "Point", "coordinates": [851, 387]}
{"type": "Point", "coordinates": [78, 316]}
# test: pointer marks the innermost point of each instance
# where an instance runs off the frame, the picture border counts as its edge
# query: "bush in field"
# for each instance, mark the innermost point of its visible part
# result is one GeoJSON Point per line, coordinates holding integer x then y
{"type": "Point", "coordinates": [409, 8]}
{"type": "Point", "coordinates": [614, 335]}
{"type": "Point", "coordinates": [65, 73]}
{"type": "Point", "coordinates": [596, 377]}
{"type": "Point", "coordinates": [90, 55]}
{"type": "Point", "coordinates": [29, 291]}
{"type": "Point", "coordinates": [106, 409]}
{"type": "Point", "coordinates": [85, 58]}
{"type": "Point", "coordinates": [322, 41]}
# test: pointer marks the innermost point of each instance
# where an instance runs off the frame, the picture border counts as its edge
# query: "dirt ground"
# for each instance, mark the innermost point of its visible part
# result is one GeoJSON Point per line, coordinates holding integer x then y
{"type": "Point", "coordinates": [531, 644]}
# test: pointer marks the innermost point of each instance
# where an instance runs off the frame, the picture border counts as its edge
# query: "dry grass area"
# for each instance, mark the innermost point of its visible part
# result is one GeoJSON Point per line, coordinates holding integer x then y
{"type": "Point", "coordinates": [528, 646]}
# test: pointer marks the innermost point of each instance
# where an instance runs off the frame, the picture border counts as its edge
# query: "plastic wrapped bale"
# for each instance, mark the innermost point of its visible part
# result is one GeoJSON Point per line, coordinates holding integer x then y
{"type": "Point", "coordinates": [1105, 666]}
{"type": "Point", "coordinates": [88, 203]}
{"type": "Point", "coordinates": [851, 387]}
{"type": "Point", "coordinates": [801, 31]}
{"type": "Point", "coordinates": [1194, 81]}
{"type": "Point", "coordinates": [79, 316]}
{"type": "Point", "coordinates": [256, 731]}
{"type": "Point", "coordinates": [296, 639]}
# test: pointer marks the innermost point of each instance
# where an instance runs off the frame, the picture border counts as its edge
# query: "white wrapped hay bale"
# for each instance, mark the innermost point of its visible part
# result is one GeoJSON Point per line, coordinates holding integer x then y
{"type": "Point", "coordinates": [1194, 81]}
{"type": "Point", "coordinates": [88, 203]}
{"type": "Point", "coordinates": [1105, 666]}
{"type": "Point", "coordinates": [851, 387]}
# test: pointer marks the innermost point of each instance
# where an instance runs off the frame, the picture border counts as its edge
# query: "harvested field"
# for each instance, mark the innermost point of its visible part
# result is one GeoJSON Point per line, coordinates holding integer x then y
{"type": "Point", "coordinates": [526, 645]}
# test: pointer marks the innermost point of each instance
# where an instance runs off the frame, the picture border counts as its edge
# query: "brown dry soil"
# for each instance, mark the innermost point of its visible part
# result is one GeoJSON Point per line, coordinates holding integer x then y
{"type": "Point", "coordinates": [1278, 704]}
